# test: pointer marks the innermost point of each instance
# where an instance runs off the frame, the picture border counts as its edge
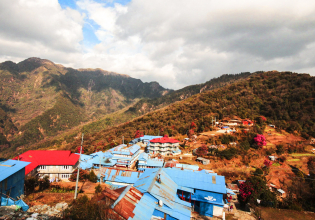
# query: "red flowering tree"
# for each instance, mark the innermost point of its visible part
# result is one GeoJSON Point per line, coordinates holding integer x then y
{"type": "Point", "coordinates": [193, 125]}
{"type": "Point", "coordinates": [79, 150]}
{"type": "Point", "coordinates": [191, 133]}
{"type": "Point", "coordinates": [202, 151]}
{"type": "Point", "coordinates": [267, 163]}
{"type": "Point", "coordinates": [260, 140]}
{"type": "Point", "coordinates": [138, 134]}
{"type": "Point", "coordinates": [246, 190]}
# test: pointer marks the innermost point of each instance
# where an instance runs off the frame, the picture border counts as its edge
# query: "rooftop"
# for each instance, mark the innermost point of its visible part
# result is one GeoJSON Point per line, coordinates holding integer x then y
{"type": "Point", "coordinates": [164, 140]}
{"type": "Point", "coordinates": [122, 176]}
{"type": "Point", "coordinates": [124, 150]}
{"type": "Point", "coordinates": [47, 157]}
{"type": "Point", "coordinates": [10, 167]}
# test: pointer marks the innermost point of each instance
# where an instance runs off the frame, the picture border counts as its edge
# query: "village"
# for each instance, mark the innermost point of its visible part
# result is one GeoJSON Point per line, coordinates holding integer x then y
{"type": "Point", "coordinates": [151, 177]}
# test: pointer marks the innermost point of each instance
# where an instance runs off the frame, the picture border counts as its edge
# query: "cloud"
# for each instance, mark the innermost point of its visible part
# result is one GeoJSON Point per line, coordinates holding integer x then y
{"type": "Point", "coordinates": [39, 28]}
{"type": "Point", "coordinates": [177, 43]}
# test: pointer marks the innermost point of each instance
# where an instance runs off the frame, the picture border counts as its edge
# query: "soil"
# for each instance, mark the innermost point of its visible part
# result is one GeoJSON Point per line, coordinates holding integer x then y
{"type": "Point", "coordinates": [50, 198]}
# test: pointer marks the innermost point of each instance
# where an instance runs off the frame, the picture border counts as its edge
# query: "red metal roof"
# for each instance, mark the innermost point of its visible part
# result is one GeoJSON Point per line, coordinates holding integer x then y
{"type": "Point", "coordinates": [47, 157]}
{"type": "Point", "coordinates": [128, 203]}
{"type": "Point", "coordinates": [164, 140]}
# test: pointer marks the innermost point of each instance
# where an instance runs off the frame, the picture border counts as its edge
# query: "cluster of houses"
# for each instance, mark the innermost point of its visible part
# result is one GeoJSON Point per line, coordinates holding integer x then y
{"type": "Point", "coordinates": [143, 185]}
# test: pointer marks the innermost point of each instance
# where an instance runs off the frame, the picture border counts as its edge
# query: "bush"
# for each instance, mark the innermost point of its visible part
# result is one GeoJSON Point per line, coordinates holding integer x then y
{"type": "Point", "coordinates": [245, 145]}
{"type": "Point", "coordinates": [228, 153]}
{"type": "Point", "coordinates": [92, 177]}
{"type": "Point", "coordinates": [83, 175]}
{"type": "Point", "coordinates": [98, 188]}
{"type": "Point", "coordinates": [84, 208]}
{"type": "Point", "coordinates": [258, 171]}
{"type": "Point", "coordinates": [44, 183]}
{"type": "Point", "coordinates": [30, 184]}
{"type": "Point", "coordinates": [280, 149]}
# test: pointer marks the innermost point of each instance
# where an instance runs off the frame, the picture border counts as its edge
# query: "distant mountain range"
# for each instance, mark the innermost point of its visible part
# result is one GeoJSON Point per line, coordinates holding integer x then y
{"type": "Point", "coordinates": [45, 105]}
{"type": "Point", "coordinates": [39, 98]}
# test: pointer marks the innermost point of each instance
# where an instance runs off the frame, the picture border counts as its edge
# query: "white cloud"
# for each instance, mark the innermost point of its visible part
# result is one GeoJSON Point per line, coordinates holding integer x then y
{"type": "Point", "coordinates": [39, 28]}
{"type": "Point", "coordinates": [177, 43]}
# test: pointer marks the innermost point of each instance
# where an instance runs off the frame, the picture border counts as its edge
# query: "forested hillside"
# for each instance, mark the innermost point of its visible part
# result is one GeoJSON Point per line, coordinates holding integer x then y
{"type": "Point", "coordinates": [40, 99]}
{"type": "Point", "coordinates": [286, 99]}
{"type": "Point", "coordinates": [147, 105]}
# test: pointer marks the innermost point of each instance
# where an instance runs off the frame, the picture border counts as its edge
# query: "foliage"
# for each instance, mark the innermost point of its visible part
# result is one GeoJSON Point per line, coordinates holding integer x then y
{"type": "Point", "coordinates": [83, 175]}
{"type": "Point", "coordinates": [245, 145]}
{"type": "Point", "coordinates": [228, 153]}
{"type": "Point", "coordinates": [226, 139]}
{"type": "Point", "coordinates": [258, 171]}
{"type": "Point", "coordinates": [267, 163]}
{"type": "Point", "coordinates": [84, 208]}
{"type": "Point", "coordinates": [44, 183]}
{"type": "Point", "coordinates": [280, 149]}
{"type": "Point", "coordinates": [92, 177]}
{"type": "Point", "coordinates": [30, 184]}
{"type": "Point", "coordinates": [260, 140]}
{"type": "Point", "coordinates": [98, 188]}
{"type": "Point", "coordinates": [255, 188]}
{"type": "Point", "coordinates": [202, 151]}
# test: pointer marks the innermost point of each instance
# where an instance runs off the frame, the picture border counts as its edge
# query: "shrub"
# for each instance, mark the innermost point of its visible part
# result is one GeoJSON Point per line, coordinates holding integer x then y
{"type": "Point", "coordinates": [258, 171]}
{"type": "Point", "coordinates": [98, 188]}
{"type": "Point", "coordinates": [280, 149]}
{"type": "Point", "coordinates": [83, 175]}
{"type": "Point", "coordinates": [92, 177]}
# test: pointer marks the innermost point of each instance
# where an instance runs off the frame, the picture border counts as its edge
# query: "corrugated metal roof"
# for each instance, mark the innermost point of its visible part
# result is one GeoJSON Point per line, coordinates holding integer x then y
{"type": "Point", "coordinates": [149, 137]}
{"type": "Point", "coordinates": [164, 190]}
{"type": "Point", "coordinates": [121, 176]}
{"type": "Point", "coordinates": [143, 156]}
{"type": "Point", "coordinates": [145, 208]}
{"type": "Point", "coordinates": [197, 180]}
{"type": "Point", "coordinates": [124, 150]}
{"type": "Point", "coordinates": [11, 167]}
{"type": "Point", "coordinates": [187, 166]}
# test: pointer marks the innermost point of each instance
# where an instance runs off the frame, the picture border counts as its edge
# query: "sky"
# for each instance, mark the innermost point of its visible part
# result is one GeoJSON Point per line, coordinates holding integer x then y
{"type": "Point", "coordinates": [174, 42]}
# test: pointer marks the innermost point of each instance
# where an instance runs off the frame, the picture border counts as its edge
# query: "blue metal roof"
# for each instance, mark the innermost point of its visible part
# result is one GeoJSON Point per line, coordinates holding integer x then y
{"type": "Point", "coordinates": [143, 156]}
{"type": "Point", "coordinates": [121, 176]}
{"type": "Point", "coordinates": [124, 150]}
{"type": "Point", "coordinates": [149, 137]}
{"type": "Point", "coordinates": [165, 190]}
{"type": "Point", "coordinates": [187, 166]}
{"type": "Point", "coordinates": [154, 163]}
{"type": "Point", "coordinates": [145, 208]}
{"type": "Point", "coordinates": [15, 166]}
{"type": "Point", "coordinates": [197, 180]}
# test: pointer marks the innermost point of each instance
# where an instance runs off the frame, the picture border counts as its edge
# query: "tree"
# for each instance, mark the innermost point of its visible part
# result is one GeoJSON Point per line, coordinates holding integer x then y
{"type": "Point", "coordinates": [92, 177]}
{"type": "Point", "coordinates": [98, 188]}
{"type": "Point", "coordinates": [260, 140]}
{"type": "Point", "coordinates": [193, 125]}
{"type": "Point", "coordinates": [280, 149]}
{"type": "Point", "coordinates": [202, 151]}
{"type": "Point", "coordinates": [83, 175]}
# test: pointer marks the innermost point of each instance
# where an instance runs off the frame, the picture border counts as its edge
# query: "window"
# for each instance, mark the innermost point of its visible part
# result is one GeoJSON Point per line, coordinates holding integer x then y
{"type": "Point", "coordinates": [42, 167]}
{"type": "Point", "coordinates": [65, 176]}
{"type": "Point", "coordinates": [65, 167]}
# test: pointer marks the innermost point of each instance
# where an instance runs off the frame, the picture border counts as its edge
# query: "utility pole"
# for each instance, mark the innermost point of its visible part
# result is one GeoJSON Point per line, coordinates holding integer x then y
{"type": "Point", "coordinates": [76, 184]}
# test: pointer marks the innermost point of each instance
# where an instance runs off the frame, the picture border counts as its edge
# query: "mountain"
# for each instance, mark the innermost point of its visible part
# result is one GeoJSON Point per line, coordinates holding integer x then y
{"type": "Point", "coordinates": [147, 105]}
{"type": "Point", "coordinates": [39, 98]}
{"type": "Point", "coordinates": [286, 99]}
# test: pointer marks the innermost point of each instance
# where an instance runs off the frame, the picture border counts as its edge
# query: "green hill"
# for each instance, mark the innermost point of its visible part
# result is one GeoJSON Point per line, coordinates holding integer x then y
{"type": "Point", "coordinates": [286, 99]}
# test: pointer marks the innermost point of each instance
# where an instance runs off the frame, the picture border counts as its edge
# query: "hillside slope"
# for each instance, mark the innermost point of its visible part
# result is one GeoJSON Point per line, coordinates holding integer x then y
{"type": "Point", "coordinates": [40, 98]}
{"type": "Point", "coordinates": [286, 99]}
{"type": "Point", "coordinates": [147, 105]}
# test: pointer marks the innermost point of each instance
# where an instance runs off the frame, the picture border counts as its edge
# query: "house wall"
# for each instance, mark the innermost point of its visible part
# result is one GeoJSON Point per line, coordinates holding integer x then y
{"type": "Point", "coordinates": [217, 210]}
{"type": "Point", "coordinates": [53, 172]}
{"type": "Point", "coordinates": [14, 184]}
{"type": "Point", "coordinates": [206, 209]}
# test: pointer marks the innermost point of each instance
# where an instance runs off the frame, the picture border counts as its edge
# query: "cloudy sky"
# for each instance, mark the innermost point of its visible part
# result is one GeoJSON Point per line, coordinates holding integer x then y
{"type": "Point", "coordinates": [174, 42]}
